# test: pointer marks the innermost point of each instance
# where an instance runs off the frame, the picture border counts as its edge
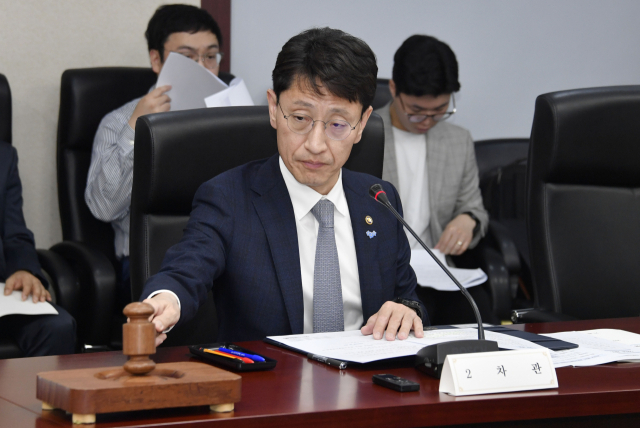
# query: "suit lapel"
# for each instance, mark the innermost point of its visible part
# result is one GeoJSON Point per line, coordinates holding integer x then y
{"type": "Point", "coordinates": [436, 154]}
{"type": "Point", "coordinates": [390, 166]}
{"type": "Point", "coordinates": [362, 205]}
{"type": "Point", "coordinates": [274, 208]}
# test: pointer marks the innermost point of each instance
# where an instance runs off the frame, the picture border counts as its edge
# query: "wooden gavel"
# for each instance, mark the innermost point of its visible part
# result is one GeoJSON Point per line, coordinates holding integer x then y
{"type": "Point", "coordinates": [138, 339]}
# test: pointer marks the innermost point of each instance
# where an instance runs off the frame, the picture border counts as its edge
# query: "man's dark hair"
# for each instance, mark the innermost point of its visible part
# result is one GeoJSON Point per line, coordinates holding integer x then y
{"type": "Point", "coordinates": [327, 59]}
{"type": "Point", "coordinates": [178, 18]}
{"type": "Point", "coordinates": [424, 65]}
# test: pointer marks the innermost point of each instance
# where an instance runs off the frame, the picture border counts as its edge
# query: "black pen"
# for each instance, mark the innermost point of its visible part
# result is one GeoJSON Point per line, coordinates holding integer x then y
{"type": "Point", "coordinates": [328, 361]}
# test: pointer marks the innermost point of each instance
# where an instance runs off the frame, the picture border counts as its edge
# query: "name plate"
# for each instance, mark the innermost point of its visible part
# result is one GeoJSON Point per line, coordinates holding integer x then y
{"type": "Point", "coordinates": [503, 371]}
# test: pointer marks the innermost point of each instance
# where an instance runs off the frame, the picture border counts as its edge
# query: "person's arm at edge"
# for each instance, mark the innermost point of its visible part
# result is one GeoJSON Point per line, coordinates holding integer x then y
{"type": "Point", "coordinates": [110, 177]}
{"type": "Point", "coordinates": [23, 268]}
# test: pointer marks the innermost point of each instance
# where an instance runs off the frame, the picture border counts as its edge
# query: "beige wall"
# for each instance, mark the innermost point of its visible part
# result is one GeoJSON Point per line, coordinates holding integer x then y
{"type": "Point", "coordinates": [39, 39]}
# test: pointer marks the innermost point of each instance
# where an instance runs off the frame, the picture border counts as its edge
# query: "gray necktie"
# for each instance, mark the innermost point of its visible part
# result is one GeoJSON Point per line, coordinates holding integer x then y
{"type": "Point", "coordinates": [328, 314]}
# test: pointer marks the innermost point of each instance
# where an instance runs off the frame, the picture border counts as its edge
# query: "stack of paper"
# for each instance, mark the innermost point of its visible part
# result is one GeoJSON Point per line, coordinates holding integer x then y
{"type": "Point", "coordinates": [355, 347]}
{"type": "Point", "coordinates": [193, 86]}
{"type": "Point", "coordinates": [431, 275]}
{"type": "Point", "coordinates": [596, 347]}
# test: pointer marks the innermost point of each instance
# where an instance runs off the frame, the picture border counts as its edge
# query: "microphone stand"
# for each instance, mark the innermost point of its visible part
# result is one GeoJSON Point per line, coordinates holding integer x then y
{"type": "Point", "coordinates": [430, 359]}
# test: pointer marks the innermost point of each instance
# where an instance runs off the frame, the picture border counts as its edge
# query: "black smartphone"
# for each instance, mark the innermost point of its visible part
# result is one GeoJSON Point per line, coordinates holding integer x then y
{"type": "Point", "coordinates": [396, 383]}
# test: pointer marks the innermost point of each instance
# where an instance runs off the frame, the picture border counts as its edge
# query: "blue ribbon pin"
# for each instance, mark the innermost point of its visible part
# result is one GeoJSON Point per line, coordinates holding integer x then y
{"type": "Point", "coordinates": [371, 234]}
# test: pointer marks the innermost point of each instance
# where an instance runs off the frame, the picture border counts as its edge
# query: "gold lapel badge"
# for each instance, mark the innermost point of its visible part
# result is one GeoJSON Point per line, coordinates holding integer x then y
{"type": "Point", "coordinates": [368, 219]}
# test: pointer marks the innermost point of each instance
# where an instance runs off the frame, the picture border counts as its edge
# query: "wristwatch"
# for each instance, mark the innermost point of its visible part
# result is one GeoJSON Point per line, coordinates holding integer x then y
{"type": "Point", "coordinates": [474, 218]}
{"type": "Point", "coordinates": [412, 304]}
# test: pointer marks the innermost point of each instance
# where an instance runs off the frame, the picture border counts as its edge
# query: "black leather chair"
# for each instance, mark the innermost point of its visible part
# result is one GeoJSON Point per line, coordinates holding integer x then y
{"type": "Point", "coordinates": [86, 96]}
{"type": "Point", "coordinates": [63, 284]}
{"type": "Point", "coordinates": [383, 96]}
{"type": "Point", "coordinates": [5, 110]}
{"type": "Point", "coordinates": [584, 207]}
{"type": "Point", "coordinates": [502, 173]}
{"type": "Point", "coordinates": [174, 154]}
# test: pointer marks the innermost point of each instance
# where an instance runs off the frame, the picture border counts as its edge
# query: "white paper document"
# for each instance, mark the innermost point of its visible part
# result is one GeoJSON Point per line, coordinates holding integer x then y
{"type": "Point", "coordinates": [619, 336]}
{"type": "Point", "coordinates": [13, 305]}
{"type": "Point", "coordinates": [190, 82]}
{"type": "Point", "coordinates": [236, 94]}
{"type": "Point", "coordinates": [353, 346]}
{"type": "Point", "coordinates": [592, 350]}
{"type": "Point", "coordinates": [431, 275]}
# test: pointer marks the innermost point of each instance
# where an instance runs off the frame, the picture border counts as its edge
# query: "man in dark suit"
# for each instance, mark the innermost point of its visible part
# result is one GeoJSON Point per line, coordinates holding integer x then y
{"type": "Point", "coordinates": [295, 242]}
{"type": "Point", "coordinates": [36, 335]}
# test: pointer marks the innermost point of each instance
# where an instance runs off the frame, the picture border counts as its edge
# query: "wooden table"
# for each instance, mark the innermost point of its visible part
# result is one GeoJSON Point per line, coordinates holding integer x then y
{"type": "Point", "coordinates": [303, 393]}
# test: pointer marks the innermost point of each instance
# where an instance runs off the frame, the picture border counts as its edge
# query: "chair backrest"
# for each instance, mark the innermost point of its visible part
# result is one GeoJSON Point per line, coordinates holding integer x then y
{"type": "Point", "coordinates": [86, 96]}
{"type": "Point", "coordinates": [5, 110]}
{"type": "Point", "coordinates": [502, 165]}
{"type": "Point", "coordinates": [175, 153]}
{"type": "Point", "coordinates": [499, 152]}
{"type": "Point", "coordinates": [583, 194]}
{"type": "Point", "coordinates": [383, 96]}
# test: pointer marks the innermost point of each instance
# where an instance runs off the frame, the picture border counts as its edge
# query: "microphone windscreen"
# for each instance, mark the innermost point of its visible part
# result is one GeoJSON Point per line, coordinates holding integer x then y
{"type": "Point", "coordinates": [373, 190]}
{"type": "Point", "coordinates": [377, 192]}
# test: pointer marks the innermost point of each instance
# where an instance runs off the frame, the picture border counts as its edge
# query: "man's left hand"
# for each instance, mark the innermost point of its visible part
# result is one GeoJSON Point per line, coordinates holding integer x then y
{"type": "Point", "coordinates": [457, 236]}
{"type": "Point", "coordinates": [394, 318]}
{"type": "Point", "coordinates": [29, 284]}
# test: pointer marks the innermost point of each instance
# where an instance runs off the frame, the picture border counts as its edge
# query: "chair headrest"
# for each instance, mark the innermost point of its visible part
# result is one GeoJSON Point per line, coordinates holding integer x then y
{"type": "Point", "coordinates": [587, 136]}
{"type": "Point", "coordinates": [88, 94]}
{"type": "Point", "coordinates": [176, 152]}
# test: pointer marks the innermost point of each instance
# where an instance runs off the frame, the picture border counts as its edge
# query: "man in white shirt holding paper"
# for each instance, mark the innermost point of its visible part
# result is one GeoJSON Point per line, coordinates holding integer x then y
{"type": "Point", "coordinates": [183, 29]}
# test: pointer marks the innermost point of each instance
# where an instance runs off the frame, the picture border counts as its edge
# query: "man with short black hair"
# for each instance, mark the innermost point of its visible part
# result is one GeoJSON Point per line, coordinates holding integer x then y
{"type": "Point", "coordinates": [431, 162]}
{"type": "Point", "coordinates": [179, 28]}
{"type": "Point", "coordinates": [285, 237]}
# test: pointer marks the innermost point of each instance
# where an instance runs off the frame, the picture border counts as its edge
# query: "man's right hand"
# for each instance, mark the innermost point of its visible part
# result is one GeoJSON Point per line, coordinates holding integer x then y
{"type": "Point", "coordinates": [166, 314]}
{"type": "Point", "coordinates": [155, 101]}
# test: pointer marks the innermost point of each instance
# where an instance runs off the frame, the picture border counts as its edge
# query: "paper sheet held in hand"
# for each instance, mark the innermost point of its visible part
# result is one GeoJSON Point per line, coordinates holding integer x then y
{"type": "Point", "coordinates": [431, 275]}
{"type": "Point", "coordinates": [193, 86]}
{"type": "Point", "coordinates": [13, 305]}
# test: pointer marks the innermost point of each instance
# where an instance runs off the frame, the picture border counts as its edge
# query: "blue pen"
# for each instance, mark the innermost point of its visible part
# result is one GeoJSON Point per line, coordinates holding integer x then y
{"type": "Point", "coordinates": [242, 354]}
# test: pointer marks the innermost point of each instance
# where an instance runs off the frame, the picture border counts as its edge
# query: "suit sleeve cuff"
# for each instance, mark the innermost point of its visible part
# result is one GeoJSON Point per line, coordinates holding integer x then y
{"type": "Point", "coordinates": [174, 295]}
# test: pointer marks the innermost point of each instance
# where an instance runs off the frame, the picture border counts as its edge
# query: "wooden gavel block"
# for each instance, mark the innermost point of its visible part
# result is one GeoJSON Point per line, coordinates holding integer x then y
{"type": "Point", "coordinates": [140, 384]}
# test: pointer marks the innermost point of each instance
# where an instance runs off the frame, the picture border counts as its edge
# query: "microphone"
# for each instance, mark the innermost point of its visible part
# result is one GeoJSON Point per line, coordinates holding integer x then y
{"type": "Point", "coordinates": [430, 359]}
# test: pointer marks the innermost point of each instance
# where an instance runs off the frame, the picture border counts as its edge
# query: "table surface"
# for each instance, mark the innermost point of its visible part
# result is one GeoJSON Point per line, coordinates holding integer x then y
{"type": "Point", "coordinates": [302, 392]}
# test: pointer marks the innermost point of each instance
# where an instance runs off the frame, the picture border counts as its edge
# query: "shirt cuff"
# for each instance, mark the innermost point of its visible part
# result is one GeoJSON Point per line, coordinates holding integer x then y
{"type": "Point", "coordinates": [170, 292]}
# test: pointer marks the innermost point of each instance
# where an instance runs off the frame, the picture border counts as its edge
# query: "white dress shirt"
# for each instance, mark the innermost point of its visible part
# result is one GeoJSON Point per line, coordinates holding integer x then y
{"type": "Point", "coordinates": [303, 199]}
{"type": "Point", "coordinates": [413, 185]}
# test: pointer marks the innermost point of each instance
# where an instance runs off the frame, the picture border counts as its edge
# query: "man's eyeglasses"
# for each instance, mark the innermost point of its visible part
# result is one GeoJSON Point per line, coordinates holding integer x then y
{"type": "Point", "coordinates": [209, 60]}
{"type": "Point", "coordinates": [302, 124]}
{"type": "Point", "coordinates": [417, 118]}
